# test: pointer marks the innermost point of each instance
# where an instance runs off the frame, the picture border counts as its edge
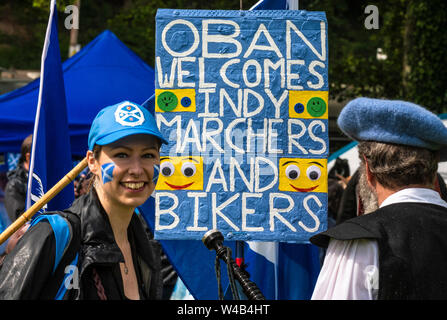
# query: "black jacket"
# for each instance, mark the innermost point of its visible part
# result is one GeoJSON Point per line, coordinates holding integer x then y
{"type": "Point", "coordinates": [27, 270]}
{"type": "Point", "coordinates": [412, 248]}
{"type": "Point", "coordinates": [15, 192]}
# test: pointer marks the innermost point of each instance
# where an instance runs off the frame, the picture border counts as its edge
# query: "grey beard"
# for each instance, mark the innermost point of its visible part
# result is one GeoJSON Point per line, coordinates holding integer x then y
{"type": "Point", "coordinates": [366, 193]}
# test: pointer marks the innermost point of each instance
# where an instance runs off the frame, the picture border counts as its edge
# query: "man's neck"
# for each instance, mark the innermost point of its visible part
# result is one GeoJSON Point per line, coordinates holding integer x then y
{"type": "Point", "coordinates": [383, 192]}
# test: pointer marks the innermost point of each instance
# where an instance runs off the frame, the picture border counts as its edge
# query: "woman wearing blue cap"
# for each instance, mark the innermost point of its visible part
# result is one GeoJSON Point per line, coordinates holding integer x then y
{"type": "Point", "coordinates": [109, 255]}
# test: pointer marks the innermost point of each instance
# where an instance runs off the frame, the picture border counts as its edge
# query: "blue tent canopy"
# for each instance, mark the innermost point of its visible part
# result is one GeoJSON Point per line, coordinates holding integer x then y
{"type": "Point", "coordinates": [103, 73]}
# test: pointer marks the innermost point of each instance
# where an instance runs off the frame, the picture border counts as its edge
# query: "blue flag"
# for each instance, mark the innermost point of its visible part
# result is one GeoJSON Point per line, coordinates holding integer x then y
{"type": "Point", "coordinates": [283, 271]}
{"type": "Point", "coordinates": [50, 153]}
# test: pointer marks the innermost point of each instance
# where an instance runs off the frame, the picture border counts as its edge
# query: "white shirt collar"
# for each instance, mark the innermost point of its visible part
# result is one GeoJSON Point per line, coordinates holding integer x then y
{"type": "Point", "coordinates": [421, 195]}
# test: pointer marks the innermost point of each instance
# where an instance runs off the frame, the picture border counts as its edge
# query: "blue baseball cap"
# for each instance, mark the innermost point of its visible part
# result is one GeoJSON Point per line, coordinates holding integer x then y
{"type": "Point", "coordinates": [393, 121]}
{"type": "Point", "coordinates": [121, 120]}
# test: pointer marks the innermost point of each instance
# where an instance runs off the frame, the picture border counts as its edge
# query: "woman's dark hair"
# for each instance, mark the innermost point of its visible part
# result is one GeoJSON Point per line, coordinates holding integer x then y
{"type": "Point", "coordinates": [96, 151]}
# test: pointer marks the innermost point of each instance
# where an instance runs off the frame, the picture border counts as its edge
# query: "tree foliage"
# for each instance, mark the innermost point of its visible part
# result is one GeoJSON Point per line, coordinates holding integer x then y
{"type": "Point", "coordinates": [133, 21]}
{"type": "Point", "coordinates": [22, 32]}
{"type": "Point", "coordinates": [411, 33]}
{"type": "Point", "coordinates": [426, 79]}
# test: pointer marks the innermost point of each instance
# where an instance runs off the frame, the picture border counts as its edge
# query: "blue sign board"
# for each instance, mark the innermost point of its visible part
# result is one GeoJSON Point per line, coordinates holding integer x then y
{"type": "Point", "coordinates": [242, 97]}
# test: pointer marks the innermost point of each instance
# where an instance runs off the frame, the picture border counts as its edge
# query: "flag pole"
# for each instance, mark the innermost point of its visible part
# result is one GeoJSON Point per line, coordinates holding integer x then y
{"type": "Point", "coordinates": [28, 214]}
{"type": "Point", "coordinates": [240, 254]}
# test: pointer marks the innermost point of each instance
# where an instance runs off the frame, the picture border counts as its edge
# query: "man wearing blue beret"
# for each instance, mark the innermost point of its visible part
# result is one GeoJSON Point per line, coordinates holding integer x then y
{"type": "Point", "coordinates": [399, 250]}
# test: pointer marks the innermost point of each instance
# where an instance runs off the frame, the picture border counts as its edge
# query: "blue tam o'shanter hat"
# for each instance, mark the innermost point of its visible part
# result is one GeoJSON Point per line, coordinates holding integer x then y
{"type": "Point", "coordinates": [393, 121]}
{"type": "Point", "coordinates": [121, 120]}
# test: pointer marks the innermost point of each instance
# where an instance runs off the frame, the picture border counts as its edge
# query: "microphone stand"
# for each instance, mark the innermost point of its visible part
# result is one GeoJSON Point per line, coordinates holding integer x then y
{"type": "Point", "coordinates": [213, 240]}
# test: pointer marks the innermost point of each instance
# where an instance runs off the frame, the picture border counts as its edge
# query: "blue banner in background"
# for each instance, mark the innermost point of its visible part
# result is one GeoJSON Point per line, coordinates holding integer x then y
{"type": "Point", "coordinates": [50, 154]}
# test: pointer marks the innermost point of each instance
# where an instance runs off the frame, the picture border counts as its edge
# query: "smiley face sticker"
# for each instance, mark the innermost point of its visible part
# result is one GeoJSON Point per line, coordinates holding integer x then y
{"type": "Point", "coordinates": [308, 104]}
{"type": "Point", "coordinates": [180, 173]}
{"type": "Point", "coordinates": [175, 100]}
{"type": "Point", "coordinates": [302, 175]}
{"type": "Point", "coordinates": [316, 107]}
{"type": "Point", "coordinates": [167, 101]}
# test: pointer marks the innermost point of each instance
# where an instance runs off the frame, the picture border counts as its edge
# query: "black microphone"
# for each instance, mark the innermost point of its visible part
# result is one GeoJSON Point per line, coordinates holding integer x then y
{"type": "Point", "coordinates": [213, 240]}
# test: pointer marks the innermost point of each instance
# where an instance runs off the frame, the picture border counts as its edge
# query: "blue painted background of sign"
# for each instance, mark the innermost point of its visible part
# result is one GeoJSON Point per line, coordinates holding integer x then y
{"type": "Point", "coordinates": [242, 98]}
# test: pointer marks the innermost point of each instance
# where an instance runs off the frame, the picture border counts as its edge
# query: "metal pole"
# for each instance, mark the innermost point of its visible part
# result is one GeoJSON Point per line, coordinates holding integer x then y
{"type": "Point", "coordinates": [294, 4]}
{"type": "Point", "coordinates": [74, 46]}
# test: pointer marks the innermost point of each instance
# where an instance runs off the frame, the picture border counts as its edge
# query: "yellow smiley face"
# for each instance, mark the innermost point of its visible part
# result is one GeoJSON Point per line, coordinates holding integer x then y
{"type": "Point", "coordinates": [180, 173]}
{"type": "Point", "coordinates": [303, 175]}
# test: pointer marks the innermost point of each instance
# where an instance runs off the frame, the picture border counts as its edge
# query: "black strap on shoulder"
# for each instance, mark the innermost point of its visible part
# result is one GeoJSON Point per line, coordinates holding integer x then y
{"type": "Point", "coordinates": [69, 255]}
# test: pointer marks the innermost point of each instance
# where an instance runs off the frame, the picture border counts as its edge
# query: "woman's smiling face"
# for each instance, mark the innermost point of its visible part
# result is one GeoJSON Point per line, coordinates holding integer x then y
{"type": "Point", "coordinates": [125, 169]}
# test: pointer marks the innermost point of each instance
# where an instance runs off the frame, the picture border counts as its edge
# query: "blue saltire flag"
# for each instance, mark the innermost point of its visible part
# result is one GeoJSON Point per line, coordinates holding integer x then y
{"type": "Point", "coordinates": [12, 160]}
{"type": "Point", "coordinates": [50, 153]}
{"type": "Point", "coordinates": [284, 271]}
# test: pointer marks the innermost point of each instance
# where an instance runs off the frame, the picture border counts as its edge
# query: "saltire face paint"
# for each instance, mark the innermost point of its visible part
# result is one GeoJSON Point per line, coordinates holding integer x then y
{"type": "Point", "coordinates": [107, 172]}
{"type": "Point", "coordinates": [156, 173]}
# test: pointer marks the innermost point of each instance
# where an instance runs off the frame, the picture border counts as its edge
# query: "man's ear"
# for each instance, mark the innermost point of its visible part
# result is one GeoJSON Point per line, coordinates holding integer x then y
{"type": "Point", "coordinates": [369, 176]}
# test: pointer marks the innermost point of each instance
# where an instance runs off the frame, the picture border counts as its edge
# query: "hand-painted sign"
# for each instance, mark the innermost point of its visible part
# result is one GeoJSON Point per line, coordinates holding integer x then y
{"type": "Point", "coordinates": [242, 97]}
